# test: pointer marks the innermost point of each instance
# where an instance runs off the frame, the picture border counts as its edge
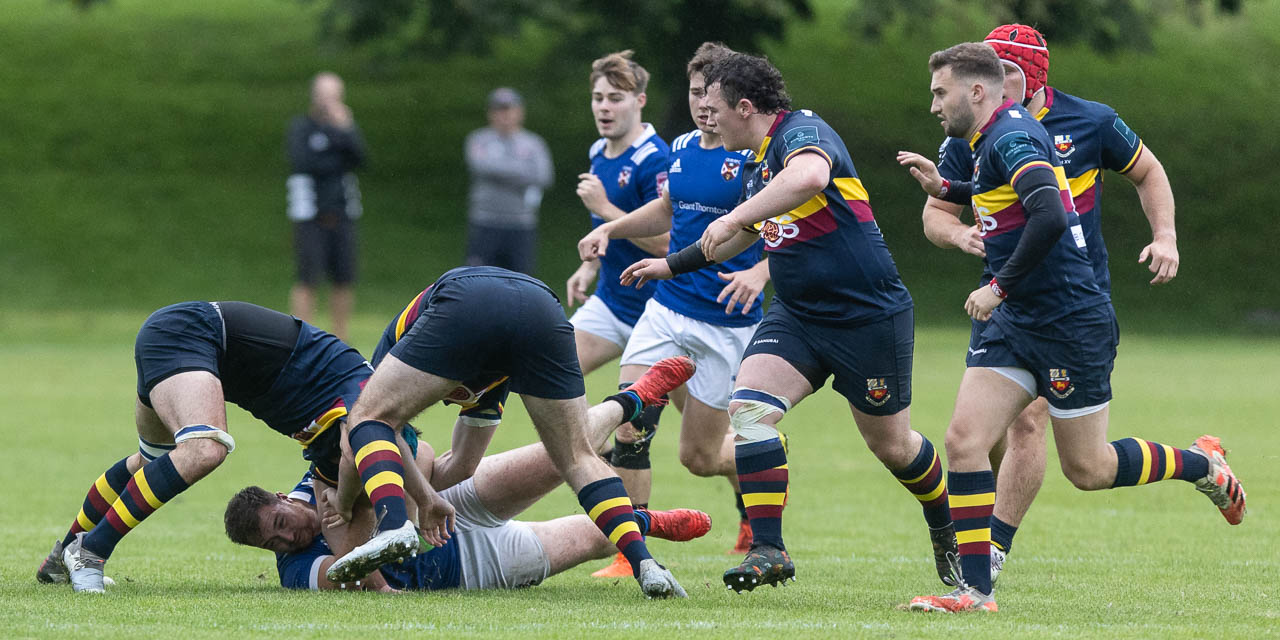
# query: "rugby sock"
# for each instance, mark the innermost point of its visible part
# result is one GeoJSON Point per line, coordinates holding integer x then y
{"type": "Point", "coordinates": [643, 519]}
{"type": "Point", "coordinates": [381, 471]}
{"type": "Point", "coordinates": [607, 504]}
{"type": "Point", "coordinates": [973, 496]}
{"type": "Point", "coordinates": [105, 491]}
{"type": "Point", "coordinates": [149, 489]}
{"type": "Point", "coordinates": [1002, 534]}
{"type": "Point", "coordinates": [762, 475]}
{"type": "Point", "coordinates": [630, 402]}
{"type": "Point", "coordinates": [635, 455]}
{"type": "Point", "coordinates": [1141, 462]}
{"type": "Point", "coordinates": [742, 508]}
{"type": "Point", "coordinates": [925, 480]}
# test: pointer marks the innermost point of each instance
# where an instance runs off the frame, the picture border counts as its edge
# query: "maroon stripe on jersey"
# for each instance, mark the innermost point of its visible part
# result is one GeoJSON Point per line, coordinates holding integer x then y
{"type": "Point", "coordinates": [818, 223]}
{"type": "Point", "coordinates": [861, 210]}
{"type": "Point", "coordinates": [1010, 218]}
{"type": "Point", "coordinates": [768, 475]}
{"type": "Point", "coordinates": [1087, 200]}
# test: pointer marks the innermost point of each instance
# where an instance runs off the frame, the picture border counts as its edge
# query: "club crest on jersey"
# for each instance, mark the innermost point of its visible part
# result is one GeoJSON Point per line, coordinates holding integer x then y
{"type": "Point", "coordinates": [729, 170]}
{"type": "Point", "coordinates": [463, 395]}
{"type": "Point", "coordinates": [1060, 383]}
{"type": "Point", "coordinates": [977, 168]}
{"type": "Point", "coordinates": [1063, 145]}
{"type": "Point", "coordinates": [877, 392]}
{"type": "Point", "coordinates": [765, 173]}
{"type": "Point", "coordinates": [624, 177]}
{"type": "Point", "coordinates": [774, 233]}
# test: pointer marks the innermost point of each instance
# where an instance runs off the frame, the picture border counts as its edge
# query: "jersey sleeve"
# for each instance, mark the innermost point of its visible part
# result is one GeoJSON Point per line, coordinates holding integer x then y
{"type": "Point", "coordinates": [304, 490]}
{"type": "Point", "coordinates": [1018, 153]}
{"type": "Point", "coordinates": [955, 160]}
{"type": "Point", "coordinates": [1120, 145]}
{"type": "Point", "coordinates": [301, 569]}
{"type": "Point", "coordinates": [806, 134]}
{"type": "Point", "coordinates": [487, 412]}
{"type": "Point", "coordinates": [651, 175]}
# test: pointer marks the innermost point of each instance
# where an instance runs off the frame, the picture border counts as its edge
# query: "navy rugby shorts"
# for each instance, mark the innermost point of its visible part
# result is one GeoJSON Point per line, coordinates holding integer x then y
{"type": "Point", "coordinates": [186, 336]}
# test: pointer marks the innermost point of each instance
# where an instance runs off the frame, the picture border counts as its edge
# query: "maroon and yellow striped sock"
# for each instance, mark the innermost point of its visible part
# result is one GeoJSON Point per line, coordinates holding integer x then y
{"type": "Point", "coordinates": [1141, 462]}
{"type": "Point", "coordinates": [105, 491]}
{"type": "Point", "coordinates": [381, 470]}
{"type": "Point", "coordinates": [926, 481]}
{"type": "Point", "coordinates": [763, 475]}
{"type": "Point", "coordinates": [607, 504]}
{"type": "Point", "coordinates": [973, 497]}
{"type": "Point", "coordinates": [149, 489]}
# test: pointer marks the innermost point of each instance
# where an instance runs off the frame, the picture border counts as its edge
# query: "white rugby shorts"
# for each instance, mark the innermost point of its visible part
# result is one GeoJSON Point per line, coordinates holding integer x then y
{"type": "Point", "coordinates": [596, 319]}
{"type": "Point", "coordinates": [493, 553]}
{"type": "Point", "coordinates": [662, 333]}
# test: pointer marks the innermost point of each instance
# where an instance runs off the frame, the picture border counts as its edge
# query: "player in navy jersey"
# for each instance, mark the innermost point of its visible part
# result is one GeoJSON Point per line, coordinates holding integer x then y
{"type": "Point", "coordinates": [840, 308]}
{"type": "Point", "coordinates": [191, 358]}
{"type": "Point", "coordinates": [695, 313]}
{"type": "Point", "coordinates": [1088, 138]}
{"type": "Point", "coordinates": [1052, 330]}
{"type": "Point", "coordinates": [477, 322]}
{"type": "Point", "coordinates": [488, 550]}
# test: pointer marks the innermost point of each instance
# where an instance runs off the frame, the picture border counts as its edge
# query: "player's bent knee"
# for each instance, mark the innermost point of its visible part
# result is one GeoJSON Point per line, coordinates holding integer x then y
{"type": "Point", "coordinates": [1087, 477]}
{"type": "Point", "coordinates": [213, 443]}
{"type": "Point", "coordinates": [699, 463]}
{"type": "Point", "coordinates": [752, 414]}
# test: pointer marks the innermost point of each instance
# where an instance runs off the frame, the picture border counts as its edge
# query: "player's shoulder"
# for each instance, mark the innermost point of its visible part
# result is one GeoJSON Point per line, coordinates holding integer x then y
{"type": "Point", "coordinates": [1075, 105]}
{"type": "Point", "coordinates": [597, 148]}
{"type": "Point", "coordinates": [649, 147]}
{"type": "Point", "coordinates": [686, 141]}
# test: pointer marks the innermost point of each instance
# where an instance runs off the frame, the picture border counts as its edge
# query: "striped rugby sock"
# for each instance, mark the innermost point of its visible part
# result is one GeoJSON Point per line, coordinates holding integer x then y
{"type": "Point", "coordinates": [607, 504]}
{"type": "Point", "coordinates": [105, 491]}
{"type": "Point", "coordinates": [381, 471]}
{"type": "Point", "coordinates": [1141, 462]}
{"type": "Point", "coordinates": [149, 489]}
{"type": "Point", "coordinates": [763, 475]}
{"type": "Point", "coordinates": [973, 497]}
{"type": "Point", "coordinates": [926, 481]}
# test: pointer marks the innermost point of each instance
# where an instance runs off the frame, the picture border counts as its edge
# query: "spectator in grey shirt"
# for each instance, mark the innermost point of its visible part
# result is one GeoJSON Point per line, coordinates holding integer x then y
{"type": "Point", "coordinates": [510, 167]}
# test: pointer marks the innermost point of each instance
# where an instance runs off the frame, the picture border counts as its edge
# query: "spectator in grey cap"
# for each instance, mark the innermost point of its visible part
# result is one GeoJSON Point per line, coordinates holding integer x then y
{"type": "Point", "coordinates": [510, 167]}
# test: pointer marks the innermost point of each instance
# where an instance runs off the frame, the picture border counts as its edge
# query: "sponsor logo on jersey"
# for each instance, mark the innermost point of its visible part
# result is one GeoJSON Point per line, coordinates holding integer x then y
{"type": "Point", "coordinates": [729, 170]}
{"type": "Point", "coordinates": [877, 392]}
{"type": "Point", "coordinates": [1063, 145]}
{"type": "Point", "coordinates": [624, 177]}
{"type": "Point", "coordinates": [662, 181]}
{"type": "Point", "coordinates": [1060, 383]}
{"type": "Point", "coordinates": [774, 233]}
{"type": "Point", "coordinates": [800, 137]}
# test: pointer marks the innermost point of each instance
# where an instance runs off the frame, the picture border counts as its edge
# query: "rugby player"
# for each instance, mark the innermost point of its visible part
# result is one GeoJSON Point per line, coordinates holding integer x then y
{"type": "Point", "coordinates": [1089, 137]}
{"type": "Point", "coordinates": [460, 336]}
{"type": "Point", "coordinates": [694, 313]}
{"type": "Point", "coordinates": [1052, 330]}
{"type": "Point", "coordinates": [628, 167]}
{"type": "Point", "coordinates": [840, 308]}
{"type": "Point", "coordinates": [488, 550]}
{"type": "Point", "coordinates": [191, 358]}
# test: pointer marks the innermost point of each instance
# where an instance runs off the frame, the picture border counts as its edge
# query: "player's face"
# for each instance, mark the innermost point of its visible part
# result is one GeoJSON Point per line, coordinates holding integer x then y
{"type": "Point", "coordinates": [1015, 86]}
{"type": "Point", "coordinates": [698, 89]}
{"type": "Point", "coordinates": [951, 103]}
{"type": "Point", "coordinates": [287, 526]}
{"type": "Point", "coordinates": [725, 120]}
{"type": "Point", "coordinates": [617, 112]}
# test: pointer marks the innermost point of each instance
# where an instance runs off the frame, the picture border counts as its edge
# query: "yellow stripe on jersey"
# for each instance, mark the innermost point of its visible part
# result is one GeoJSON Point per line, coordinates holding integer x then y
{"type": "Point", "coordinates": [787, 160]}
{"type": "Point", "coordinates": [851, 189]}
{"type": "Point", "coordinates": [611, 503]}
{"type": "Point", "coordinates": [404, 316]}
{"type": "Point", "coordinates": [1083, 182]}
{"type": "Point", "coordinates": [997, 199]}
{"type": "Point", "coordinates": [764, 146]}
{"type": "Point", "coordinates": [1134, 159]}
{"type": "Point", "coordinates": [1027, 167]}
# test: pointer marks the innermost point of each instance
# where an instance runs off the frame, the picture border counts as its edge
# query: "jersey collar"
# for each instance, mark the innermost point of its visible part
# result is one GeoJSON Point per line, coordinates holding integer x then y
{"type": "Point", "coordinates": [1048, 103]}
{"type": "Point", "coordinates": [769, 136]}
{"type": "Point", "coordinates": [645, 134]}
{"type": "Point", "coordinates": [973, 142]}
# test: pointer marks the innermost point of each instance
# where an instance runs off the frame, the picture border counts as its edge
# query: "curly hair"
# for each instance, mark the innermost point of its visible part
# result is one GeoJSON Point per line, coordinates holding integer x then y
{"type": "Point", "coordinates": [241, 518]}
{"type": "Point", "coordinates": [707, 54]}
{"type": "Point", "coordinates": [742, 75]}
{"type": "Point", "coordinates": [621, 72]}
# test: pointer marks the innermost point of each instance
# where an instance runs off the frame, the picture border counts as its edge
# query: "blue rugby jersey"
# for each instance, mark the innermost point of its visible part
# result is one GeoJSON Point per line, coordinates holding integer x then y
{"type": "Point", "coordinates": [704, 184]}
{"type": "Point", "coordinates": [1087, 138]}
{"type": "Point", "coordinates": [630, 180]}
{"type": "Point", "coordinates": [828, 260]}
{"type": "Point", "coordinates": [436, 568]}
{"type": "Point", "coordinates": [1008, 146]}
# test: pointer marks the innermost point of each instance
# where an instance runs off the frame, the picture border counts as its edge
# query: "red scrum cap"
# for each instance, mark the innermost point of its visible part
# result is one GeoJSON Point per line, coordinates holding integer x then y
{"type": "Point", "coordinates": [1025, 47]}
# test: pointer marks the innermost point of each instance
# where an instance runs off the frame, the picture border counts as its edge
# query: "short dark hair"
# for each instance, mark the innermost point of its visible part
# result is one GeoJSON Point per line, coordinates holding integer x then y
{"type": "Point", "coordinates": [241, 518]}
{"type": "Point", "coordinates": [970, 61]}
{"type": "Point", "coordinates": [743, 75]}
{"type": "Point", "coordinates": [621, 71]}
{"type": "Point", "coordinates": [707, 54]}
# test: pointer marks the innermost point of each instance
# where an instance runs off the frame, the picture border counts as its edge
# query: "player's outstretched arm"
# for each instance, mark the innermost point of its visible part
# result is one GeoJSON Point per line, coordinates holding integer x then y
{"type": "Point", "coordinates": [651, 219]}
{"type": "Point", "coordinates": [1156, 195]}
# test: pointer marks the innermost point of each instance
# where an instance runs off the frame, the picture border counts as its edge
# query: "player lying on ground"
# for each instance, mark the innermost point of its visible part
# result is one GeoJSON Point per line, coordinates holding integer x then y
{"type": "Point", "coordinates": [488, 550]}
{"type": "Point", "coordinates": [461, 336]}
{"type": "Point", "coordinates": [1052, 330]}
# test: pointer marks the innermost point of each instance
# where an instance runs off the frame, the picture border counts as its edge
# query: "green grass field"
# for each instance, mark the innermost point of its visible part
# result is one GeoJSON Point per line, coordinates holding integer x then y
{"type": "Point", "coordinates": [1154, 562]}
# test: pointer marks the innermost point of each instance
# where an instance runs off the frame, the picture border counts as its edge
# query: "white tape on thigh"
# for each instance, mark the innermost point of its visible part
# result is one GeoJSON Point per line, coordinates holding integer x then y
{"type": "Point", "coordinates": [194, 431]}
{"type": "Point", "coordinates": [755, 405]}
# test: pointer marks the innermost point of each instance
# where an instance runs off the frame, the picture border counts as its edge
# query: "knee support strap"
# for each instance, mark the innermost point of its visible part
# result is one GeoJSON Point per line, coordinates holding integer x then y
{"type": "Point", "coordinates": [152, 450]}
{"type": "Point", "coordinates": [193, 431]}
{"type": "Point", "coordinates": [753, 406]}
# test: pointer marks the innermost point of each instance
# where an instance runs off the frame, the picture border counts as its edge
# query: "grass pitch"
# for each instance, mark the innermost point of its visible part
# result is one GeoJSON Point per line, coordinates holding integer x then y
{"type": "Point", "coordinates": [1153, 561]}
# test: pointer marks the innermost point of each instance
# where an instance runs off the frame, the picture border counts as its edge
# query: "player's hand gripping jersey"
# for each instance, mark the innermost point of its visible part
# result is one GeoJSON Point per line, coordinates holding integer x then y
{"type": "Point", "coordinates": [1010, 147]}
{"type": "Point", "coordinates": [828, 260]}
{"type": "Point", "coordinates": [1087, 137]}
{"type": "Point", "coordinates": [630, 180]}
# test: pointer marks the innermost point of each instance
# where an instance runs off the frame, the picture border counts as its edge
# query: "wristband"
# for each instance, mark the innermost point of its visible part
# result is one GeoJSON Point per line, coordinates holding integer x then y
{"type": "Point", "coordinates": [995, 288]}
{"type": "Point", "coordinates": [946, 186]}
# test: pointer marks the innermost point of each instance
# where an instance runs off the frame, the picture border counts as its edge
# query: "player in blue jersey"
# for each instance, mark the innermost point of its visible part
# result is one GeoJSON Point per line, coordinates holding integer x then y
{"type": "Point", "coordinates": [1088, 138]}
{"type": "Point", "coordinates": [478, 321]}
{"type": "Point", "coordinates": [840, 308]}
{"type": "Point", "coordinates": [1052, 330]}
{"type": "Point", "coordinates": [694, 313]}
{"type": "Point", "coordinates": [191, 358]}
